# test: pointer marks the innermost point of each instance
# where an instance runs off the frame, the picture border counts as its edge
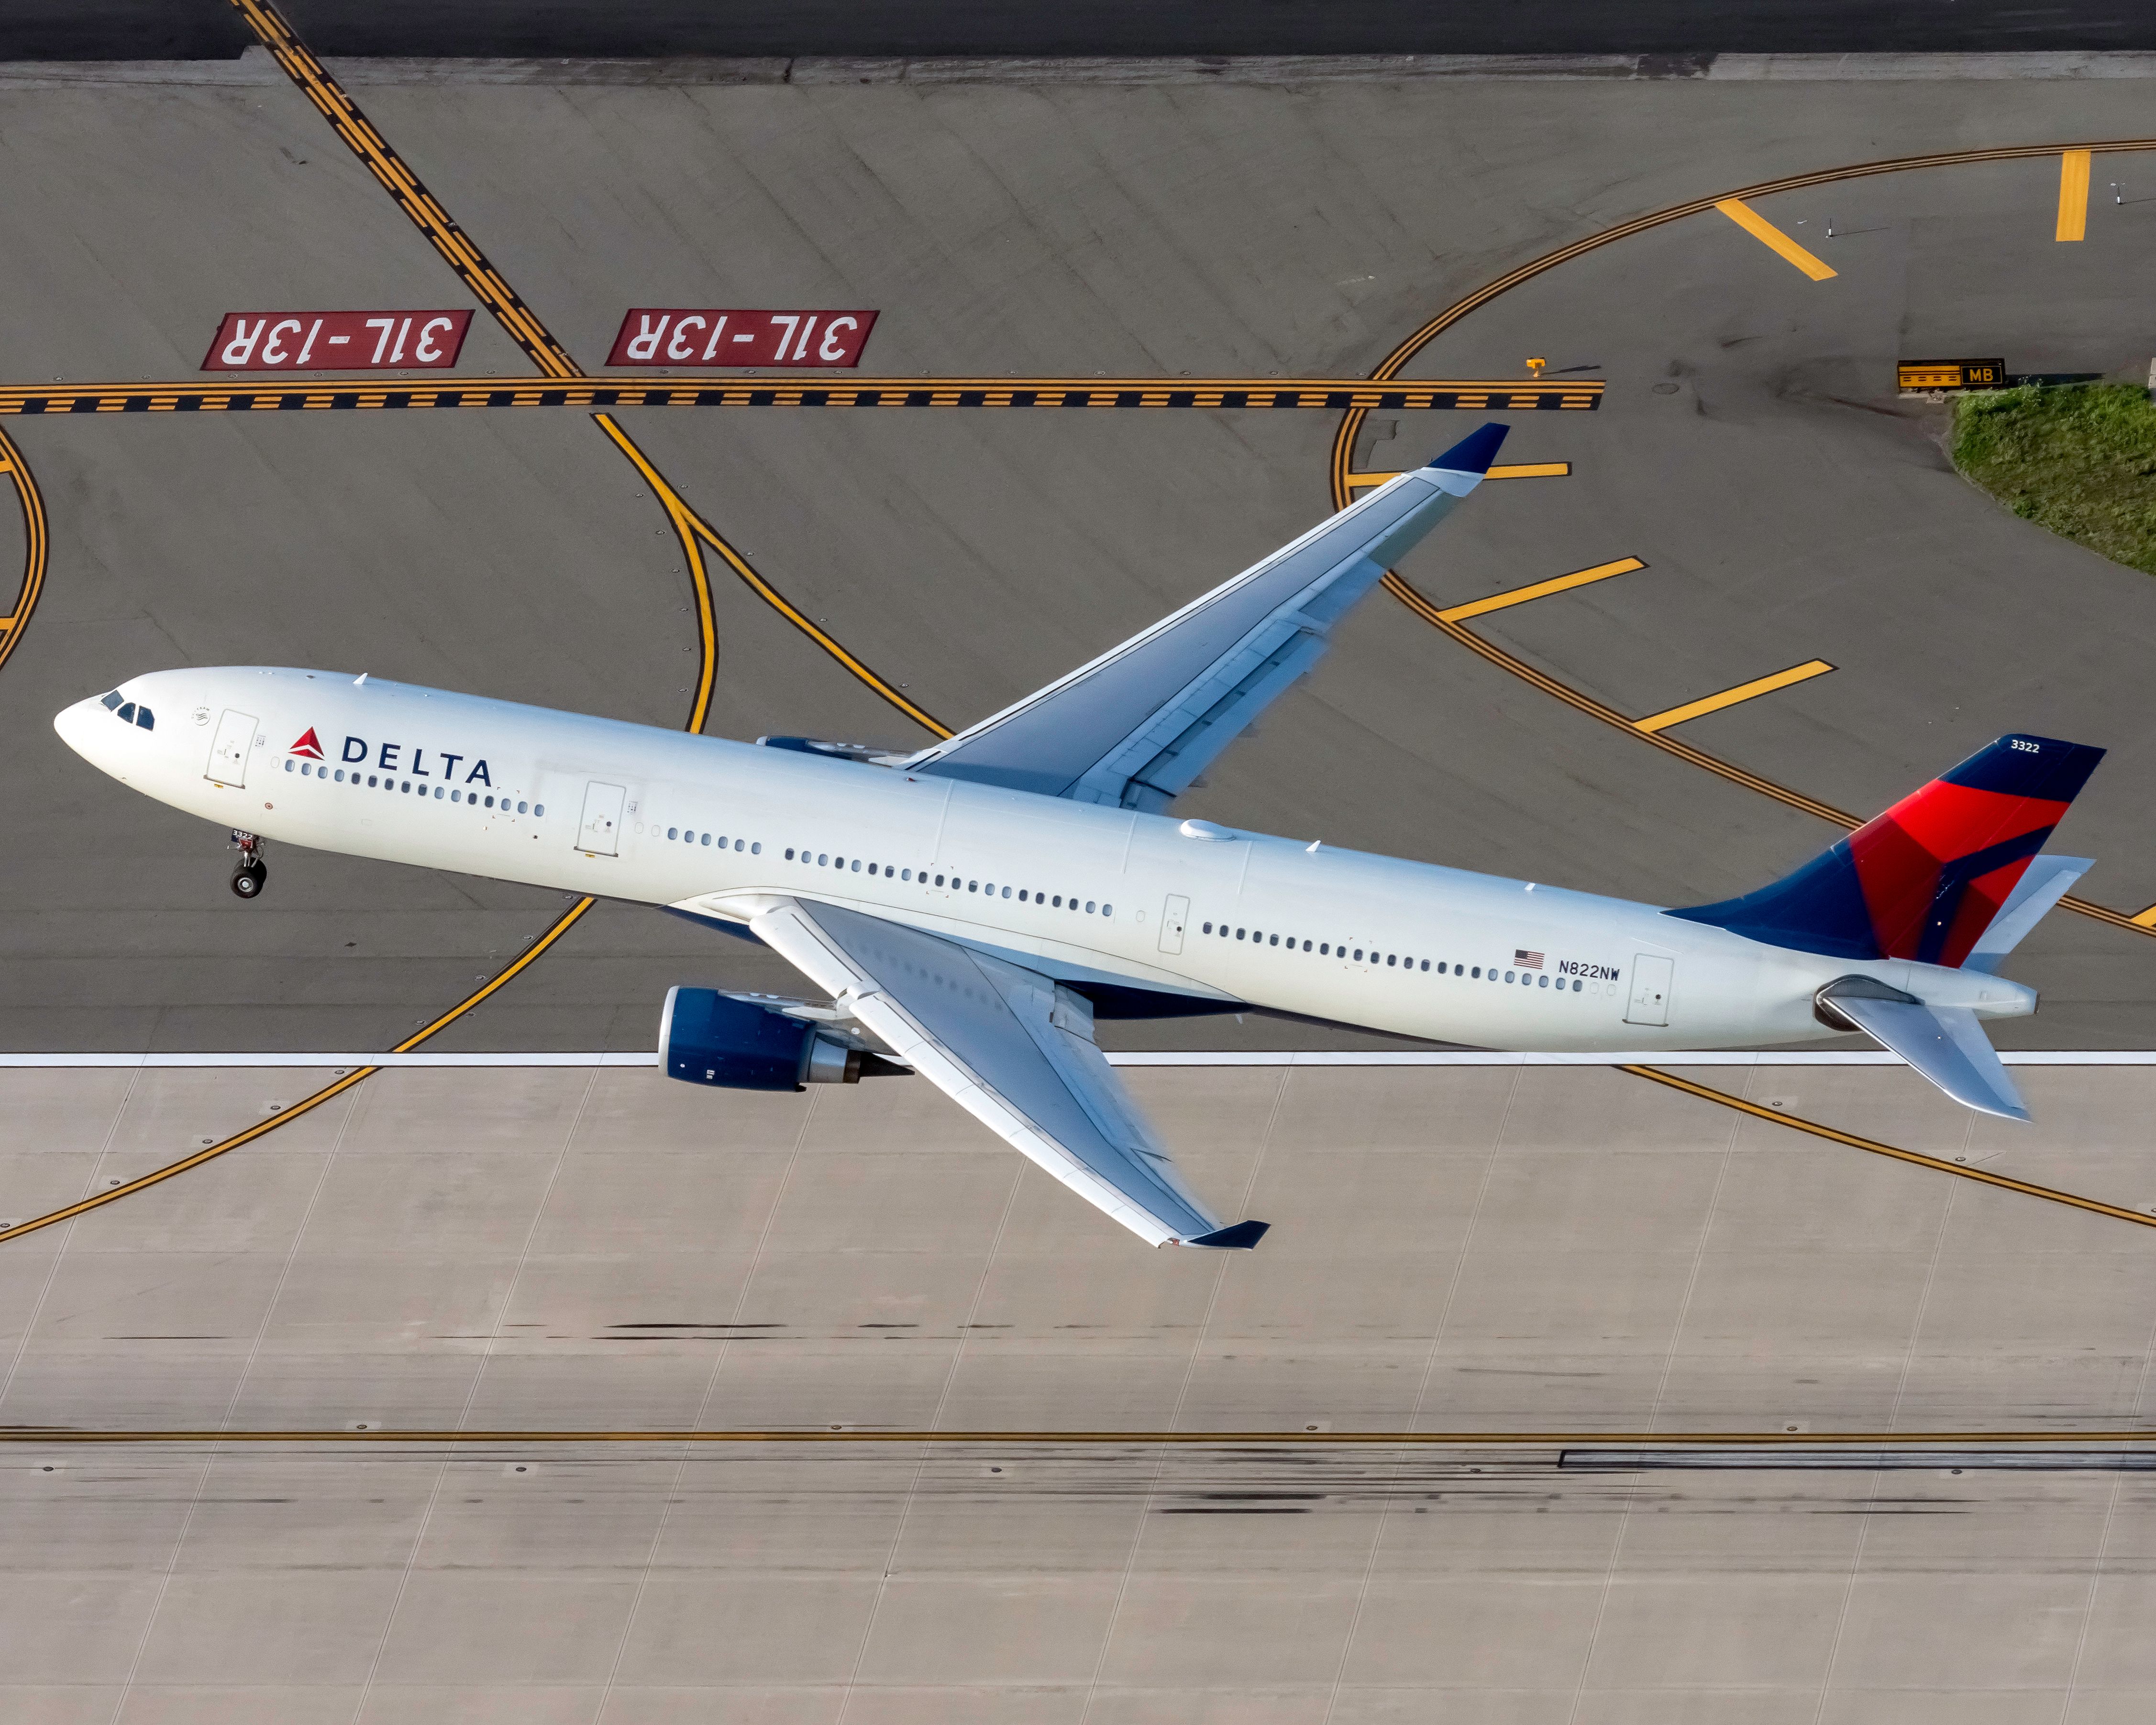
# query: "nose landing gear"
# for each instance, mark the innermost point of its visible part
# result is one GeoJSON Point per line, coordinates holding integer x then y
{"type": "Point", "coordinates": [250, 872]}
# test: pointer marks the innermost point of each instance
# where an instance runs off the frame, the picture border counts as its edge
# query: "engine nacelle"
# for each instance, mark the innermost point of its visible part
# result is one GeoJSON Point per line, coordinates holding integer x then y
{"type": "Point", "coordinates": [705, 1037]}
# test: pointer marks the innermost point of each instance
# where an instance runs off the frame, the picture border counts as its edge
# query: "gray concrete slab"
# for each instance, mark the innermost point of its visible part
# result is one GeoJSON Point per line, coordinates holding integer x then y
{"type": "Point", "coordinates": [1455, 1250]}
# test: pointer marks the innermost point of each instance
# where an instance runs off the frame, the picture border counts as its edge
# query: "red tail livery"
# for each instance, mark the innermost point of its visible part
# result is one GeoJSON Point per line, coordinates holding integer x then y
{"type": "Point", "coordinates": [1924, 880]}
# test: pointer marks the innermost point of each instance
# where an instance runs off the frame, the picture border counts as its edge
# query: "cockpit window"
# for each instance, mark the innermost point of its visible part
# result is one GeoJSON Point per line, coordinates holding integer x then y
{"type": "Point", "coordinates": [146, 719]}
{"type": "Point", "coordinates": [111, 700]}
{"type": "Point", "coordinates": [127, 714]}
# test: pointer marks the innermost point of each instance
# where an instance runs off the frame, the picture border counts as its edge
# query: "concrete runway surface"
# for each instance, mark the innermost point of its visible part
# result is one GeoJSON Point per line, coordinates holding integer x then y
{"type": "Point", "coordinates": [586, 1259]}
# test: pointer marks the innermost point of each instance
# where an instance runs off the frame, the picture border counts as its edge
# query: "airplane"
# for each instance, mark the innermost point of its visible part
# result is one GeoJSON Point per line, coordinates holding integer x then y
{"type": "Point", "coordinates": [968, 911]}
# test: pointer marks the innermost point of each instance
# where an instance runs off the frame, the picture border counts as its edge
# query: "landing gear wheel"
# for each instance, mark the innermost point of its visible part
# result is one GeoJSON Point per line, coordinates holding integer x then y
{"type": "Point", "coordinates": [248, 878]}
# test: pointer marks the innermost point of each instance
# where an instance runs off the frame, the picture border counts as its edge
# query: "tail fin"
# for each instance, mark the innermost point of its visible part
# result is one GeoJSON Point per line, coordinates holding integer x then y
{"type": "Point", "coordinates": [1925, 879]}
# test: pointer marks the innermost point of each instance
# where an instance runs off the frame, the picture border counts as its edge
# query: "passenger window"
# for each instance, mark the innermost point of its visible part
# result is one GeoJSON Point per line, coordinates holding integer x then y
{"type": "Point", "coordinates": [1058, 905]}
{"type": "Point", "coordinates": [538, 807]}
{"type": "Point", "coordinates": [1425, 964]}
{"type": "Point", "coordinates": [1305, 946]}
{"type": "Point", "coordinates": [857, 866]}
{"type": "Point", "coordinates": [1325, 949]}
{"type": "Point", "coordinates": [145, 718]}
{"type": "Point", "coordinates": [1390, 961]}
{"type": "Point", "coordinates": [973, 887]}
{"type": "Point", "coordinates": [822, 859]}
{"type": "Point", "coordinates": [288, 765]}
{"type": "Point", "coordinates": [1509, 976]}
{"type": "Point", "coordinates": [1088, 907]}
{"type": "Point", "coordinates": [1007, 892]}
{"type": "Point", "coordinates": [1276, 939]}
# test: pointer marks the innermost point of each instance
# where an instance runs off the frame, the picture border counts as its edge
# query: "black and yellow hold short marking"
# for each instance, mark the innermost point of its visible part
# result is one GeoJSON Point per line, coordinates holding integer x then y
{"type": "Point", "coordinates": [1305, 393]}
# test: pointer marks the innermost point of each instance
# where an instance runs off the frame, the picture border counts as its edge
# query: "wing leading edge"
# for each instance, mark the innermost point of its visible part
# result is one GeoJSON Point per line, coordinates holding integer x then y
{"type": "Point", "coordinates": [1136, 726]}
{"type": "Point", "coordinates": [1011, 1048]}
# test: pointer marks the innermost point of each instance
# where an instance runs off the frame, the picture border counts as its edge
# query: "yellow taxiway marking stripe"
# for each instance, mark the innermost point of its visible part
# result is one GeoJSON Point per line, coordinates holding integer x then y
{"type": "Point", "coordinates": [2145, 919]}
{"type": "Point", "coordinates": [1540, 589]}
{"type": "Point", "coordinates": [1769, 235]}
{"type": "Point", "coordinates": [36, 546]}
{"type": "Point", "coordinates": [270, 393]}
{"type": "Point", "coordinates": [1733, 697]}
{"type": "Point", "coordinates": [1517, 469]}
{"type": "Point", "coordinates": [2073, 195]}
{"type": "Point", "coordinates": [1918, 1442]}
{"type": "Point", "coordinates": [1936, 1164]}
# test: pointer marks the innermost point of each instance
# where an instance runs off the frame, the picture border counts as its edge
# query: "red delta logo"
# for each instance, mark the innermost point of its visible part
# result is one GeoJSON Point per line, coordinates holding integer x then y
{"type": "Point", "coordinates": [309, 745]}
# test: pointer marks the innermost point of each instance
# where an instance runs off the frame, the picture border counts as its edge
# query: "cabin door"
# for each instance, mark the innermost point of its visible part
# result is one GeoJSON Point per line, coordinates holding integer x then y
{"type": "Point", "coordinates": [1650, 989]}
{"type": "Point", "coordinates": [1172, 919]}
{"type": "Point", "coordinates": [599, 834]}
{"type": "Point", "coordinates": [229, 748]}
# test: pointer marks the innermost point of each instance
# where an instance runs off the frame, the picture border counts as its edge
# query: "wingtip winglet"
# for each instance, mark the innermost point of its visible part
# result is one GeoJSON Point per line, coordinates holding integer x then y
{"type": "Point", "coordinates": [1474, 452]}
{"type": "Point", "coordinates": [1238, 1237]}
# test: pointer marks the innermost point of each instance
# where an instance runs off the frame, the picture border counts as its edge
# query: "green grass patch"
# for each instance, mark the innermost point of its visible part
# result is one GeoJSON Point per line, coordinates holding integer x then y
{"type": "Point", "coordinates": [2079, 459]}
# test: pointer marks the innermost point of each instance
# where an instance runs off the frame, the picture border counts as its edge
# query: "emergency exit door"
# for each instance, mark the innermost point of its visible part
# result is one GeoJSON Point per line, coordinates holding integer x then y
{"type": "Point", "coordinates": [1171, 920]}
{"type": "Point", "coordinates": [229, 748]}
{"type": "Point", "coordinates": [600, 830]}
{"type": "Point", "coordinates": [1651, 977]}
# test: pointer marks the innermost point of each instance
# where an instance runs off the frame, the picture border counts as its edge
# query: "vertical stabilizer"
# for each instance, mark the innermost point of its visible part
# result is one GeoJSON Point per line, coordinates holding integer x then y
{"type": "Point", "coordinates": [1927, 878]}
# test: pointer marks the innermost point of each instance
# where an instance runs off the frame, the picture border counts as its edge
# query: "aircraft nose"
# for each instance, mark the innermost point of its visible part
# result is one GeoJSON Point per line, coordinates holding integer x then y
{"type": "Point", "coordinates": [74, 723]}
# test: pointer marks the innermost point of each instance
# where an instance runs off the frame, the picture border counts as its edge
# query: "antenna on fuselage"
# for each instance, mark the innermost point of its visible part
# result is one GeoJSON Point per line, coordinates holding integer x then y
{"type": "Point", "coordinates": [360, 681]}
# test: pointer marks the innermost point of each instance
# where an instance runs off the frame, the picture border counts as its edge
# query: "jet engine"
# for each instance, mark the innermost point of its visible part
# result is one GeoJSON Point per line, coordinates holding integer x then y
{"type": "Point", "coordinates": [705, 1037]}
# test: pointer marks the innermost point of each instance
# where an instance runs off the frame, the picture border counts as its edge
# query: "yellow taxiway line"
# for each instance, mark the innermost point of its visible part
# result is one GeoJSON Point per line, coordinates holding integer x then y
{"type": "Point", "coordinates": [1539, 590]}
{"type": "Point", "coordinates": [1733, 697]}
{"type": "Point", "coordinates": [2073, 195]}
{"type": "Point", "coordinates": [1514, 469]}
{"type": "Point", "coordinates": [1769, 235]}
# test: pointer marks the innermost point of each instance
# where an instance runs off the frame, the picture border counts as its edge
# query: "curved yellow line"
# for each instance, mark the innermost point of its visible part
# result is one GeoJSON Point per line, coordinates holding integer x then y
{"type": "Point", "coordinates": [1350, 423]}
{"type": "Point", "coordinates": [36, 546]}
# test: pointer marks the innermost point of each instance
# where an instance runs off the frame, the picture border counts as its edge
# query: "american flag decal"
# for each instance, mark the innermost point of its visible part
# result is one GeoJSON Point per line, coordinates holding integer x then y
{"type": "Point", "coordinates": [1527, 960]}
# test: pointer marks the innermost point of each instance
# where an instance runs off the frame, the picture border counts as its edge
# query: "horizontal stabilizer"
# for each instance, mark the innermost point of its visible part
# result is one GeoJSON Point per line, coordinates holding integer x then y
{"type": "Point", "coordinates": [1945, 1043]}
{"type": "Point", "coordinates": [2048, 880]}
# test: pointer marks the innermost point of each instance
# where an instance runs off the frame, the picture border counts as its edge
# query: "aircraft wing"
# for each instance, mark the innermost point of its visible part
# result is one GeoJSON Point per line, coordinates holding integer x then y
{"type": "Point", "coordinates": [1134, 727]}
{"type": "Point", "coordinates": [1010, 1047]}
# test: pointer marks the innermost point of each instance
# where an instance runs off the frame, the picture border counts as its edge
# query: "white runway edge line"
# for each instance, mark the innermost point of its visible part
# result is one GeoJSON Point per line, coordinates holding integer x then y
{"type": "Point", "coordinates": [342, 1063]}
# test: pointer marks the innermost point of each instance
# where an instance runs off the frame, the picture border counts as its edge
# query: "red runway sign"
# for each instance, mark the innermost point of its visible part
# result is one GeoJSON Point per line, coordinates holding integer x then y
{"type": "Point", "coordinates": [656, 336]}
{"type": "Point", "coordinates": [337, 341]}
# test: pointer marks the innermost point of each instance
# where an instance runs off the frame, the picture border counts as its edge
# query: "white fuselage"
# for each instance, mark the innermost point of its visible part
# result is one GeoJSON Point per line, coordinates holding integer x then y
{"type": "Point", "coordinates": [1085, 893]}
